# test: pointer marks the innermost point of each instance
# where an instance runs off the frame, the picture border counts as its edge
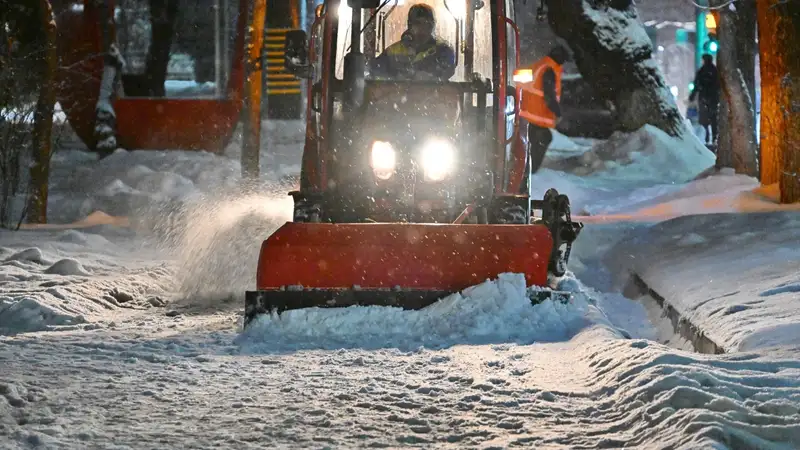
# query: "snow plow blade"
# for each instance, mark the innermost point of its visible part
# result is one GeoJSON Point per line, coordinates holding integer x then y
{"type": "Point", "coordinates": [304, 265]}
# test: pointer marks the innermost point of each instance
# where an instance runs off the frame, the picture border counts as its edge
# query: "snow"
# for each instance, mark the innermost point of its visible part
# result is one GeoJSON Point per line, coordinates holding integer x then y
{"type": "Point", "coordinates": [594, 390]}
{"type": "Point", "coordinates": [41, 288]}
{"type": "Point", "coordinates": [121, 328]}
{"type": "Point", "coordinates": [736, 276]}
{"type": "Point", "coordinates": [644, 157]}
{"type": "Point", "coordinates": [600, 177]}
{"type": "Point", "coordinates": [493, 312]}
{"type": "Point", "coordinates": [129, 183]}
{"type": "Point", "coordinates": [183, 88]}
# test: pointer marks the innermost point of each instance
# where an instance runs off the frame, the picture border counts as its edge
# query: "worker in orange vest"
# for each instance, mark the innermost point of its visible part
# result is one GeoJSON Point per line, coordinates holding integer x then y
{"type": "Point", "coordinates": [540, 103]}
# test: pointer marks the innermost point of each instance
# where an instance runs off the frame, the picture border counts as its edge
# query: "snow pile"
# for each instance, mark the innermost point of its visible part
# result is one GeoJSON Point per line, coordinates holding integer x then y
{"type": "Point", "coordinates": [563, 147]}
{"type": "Point", "coordinates": [674, 399]}
{"type": "Point", "coordinates": [141, 182]}
{"type": "Point", "coordinates": [627, 168]}
{"type": "Point", "coordinates": [648, 155]}
{"type": "Point", "coordinates": [494, 311]}
{"type": "Point", "coordinates": [42, 290]}
{"type": "Point", "coordinates": [736, 276]}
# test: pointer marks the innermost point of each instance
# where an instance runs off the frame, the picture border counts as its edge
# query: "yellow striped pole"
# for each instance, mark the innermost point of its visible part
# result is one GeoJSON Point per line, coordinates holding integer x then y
{"type": "Point", "coordinates": [283, 88]}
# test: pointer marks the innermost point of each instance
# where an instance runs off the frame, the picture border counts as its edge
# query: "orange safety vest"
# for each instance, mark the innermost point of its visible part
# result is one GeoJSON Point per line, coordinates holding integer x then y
{"type": "Point", "coordinates": [533, 108]}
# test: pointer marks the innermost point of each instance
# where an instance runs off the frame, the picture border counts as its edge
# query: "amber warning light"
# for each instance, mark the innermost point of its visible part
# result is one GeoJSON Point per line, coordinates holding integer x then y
{"type": "Point", "coordinates": [523, 76]}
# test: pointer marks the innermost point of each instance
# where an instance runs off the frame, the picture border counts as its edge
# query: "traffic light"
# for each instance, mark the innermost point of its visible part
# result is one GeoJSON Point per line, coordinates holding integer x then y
{"type": "Point", "coordinates": [681, 36]}
{"type": "Point", "coordinates": [712, 44]}
{"type": "Point", "coordinates": [712, 20]}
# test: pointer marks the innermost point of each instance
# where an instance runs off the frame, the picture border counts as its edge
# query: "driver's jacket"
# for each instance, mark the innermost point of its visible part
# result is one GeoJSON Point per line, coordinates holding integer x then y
{"type": "Point", "coordinates": [436, 58]}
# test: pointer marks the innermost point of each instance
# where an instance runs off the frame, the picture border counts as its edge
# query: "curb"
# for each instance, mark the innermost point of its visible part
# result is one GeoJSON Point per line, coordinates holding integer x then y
{"type": "Point", "coordinates": [637, 288]}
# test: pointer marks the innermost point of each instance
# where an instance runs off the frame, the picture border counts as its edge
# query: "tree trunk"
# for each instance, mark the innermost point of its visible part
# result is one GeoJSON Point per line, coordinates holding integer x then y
{"type": "Point", "coordinates": [789, 35]}
{"type": "Point", "coordinates": [43, 119]}
{"type": "Point", "coordinates": [615, 55]}
{"type": "Point", "coordinates": [771, 116]}
{"type": "Point", "coordinates": [737, 141]}
{"type": "Point", "coordinates": [251, 113]}
{"type": "Point", "coordinates": [746, 46]}
{"type": "Point", "coordinates": [779, 53]}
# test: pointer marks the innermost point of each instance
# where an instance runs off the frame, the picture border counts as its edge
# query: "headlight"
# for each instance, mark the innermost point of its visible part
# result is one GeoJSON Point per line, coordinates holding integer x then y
{"type": "Point", "coordinates": [383, 159]}
{"type": "Point", "coordinates": [438, 159]}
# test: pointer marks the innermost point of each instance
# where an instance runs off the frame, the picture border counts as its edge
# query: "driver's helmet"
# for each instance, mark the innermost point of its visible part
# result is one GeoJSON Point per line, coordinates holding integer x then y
{"type": "Point", "coordinates": [420, 11]}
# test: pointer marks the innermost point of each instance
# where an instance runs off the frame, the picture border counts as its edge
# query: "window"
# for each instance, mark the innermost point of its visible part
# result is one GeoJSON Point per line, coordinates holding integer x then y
{"type": "Point", "coordinates": [192, 51]}
{"type": "Point", "coordinates": [391, 21]}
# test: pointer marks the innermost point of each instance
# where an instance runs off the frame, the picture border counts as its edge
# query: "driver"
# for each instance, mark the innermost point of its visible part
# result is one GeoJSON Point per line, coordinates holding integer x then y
{"type": "Point", "coordinates": [418, 54]}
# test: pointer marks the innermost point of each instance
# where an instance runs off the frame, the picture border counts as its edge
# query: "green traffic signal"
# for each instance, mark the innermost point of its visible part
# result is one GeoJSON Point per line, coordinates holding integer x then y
{"type": "Point", "coordinates": [711, 45]}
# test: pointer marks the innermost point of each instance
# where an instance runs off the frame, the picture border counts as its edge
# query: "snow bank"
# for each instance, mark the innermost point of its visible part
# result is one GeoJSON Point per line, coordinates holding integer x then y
{"type": "Point", "coordinates": [563, 147]}
{"type": "Point", "coordinates": [494, 311]}
{"type": "Point", "coordinates": [648, 155]}
{"type": "Point", "coordinates": [626, 165]}
{"type": "Point", "coordinates": [735, 276]}
{"type": "Point", "coordinates": [665, 398]}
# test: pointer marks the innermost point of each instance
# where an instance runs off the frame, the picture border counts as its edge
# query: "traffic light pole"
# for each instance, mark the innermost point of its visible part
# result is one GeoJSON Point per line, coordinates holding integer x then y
{"type": "Point", "coordinates": [701, 33]}
{"type": "Point", "coordinates": [706, 21]}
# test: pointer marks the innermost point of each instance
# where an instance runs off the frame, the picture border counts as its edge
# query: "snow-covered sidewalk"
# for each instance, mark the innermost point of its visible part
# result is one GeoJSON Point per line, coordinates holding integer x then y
{"type": "Point", "coordinates": [735, 276]}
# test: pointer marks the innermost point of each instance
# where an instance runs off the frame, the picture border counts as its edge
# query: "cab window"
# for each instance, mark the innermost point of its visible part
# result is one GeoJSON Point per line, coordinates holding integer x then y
{"type": "Point", "coordinates": [389, 23]}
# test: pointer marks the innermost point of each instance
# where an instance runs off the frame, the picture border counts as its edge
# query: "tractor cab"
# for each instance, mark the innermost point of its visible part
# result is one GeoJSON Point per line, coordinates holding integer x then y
{"type": "Point", "coordinates": [405, 130]}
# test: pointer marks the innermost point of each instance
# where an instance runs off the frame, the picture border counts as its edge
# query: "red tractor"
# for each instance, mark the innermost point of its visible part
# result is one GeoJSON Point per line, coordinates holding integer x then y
{"type": "Point", "coordinates": [412, 187]}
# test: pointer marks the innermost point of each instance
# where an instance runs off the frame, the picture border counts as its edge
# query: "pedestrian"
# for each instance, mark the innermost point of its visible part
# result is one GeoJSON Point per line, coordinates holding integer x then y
{"type": "Point", "coordinates": [706, 90]}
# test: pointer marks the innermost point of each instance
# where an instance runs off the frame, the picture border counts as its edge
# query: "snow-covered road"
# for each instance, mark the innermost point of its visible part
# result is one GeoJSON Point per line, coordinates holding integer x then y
{"type": "Point", "coordinates": [183, 382]}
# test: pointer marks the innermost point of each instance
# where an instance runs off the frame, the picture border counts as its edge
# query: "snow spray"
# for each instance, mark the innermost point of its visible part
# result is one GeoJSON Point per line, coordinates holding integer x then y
{"type": "Point", "coordinates": [214, 240]}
